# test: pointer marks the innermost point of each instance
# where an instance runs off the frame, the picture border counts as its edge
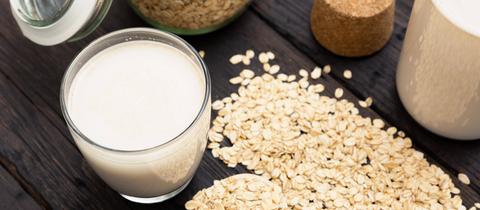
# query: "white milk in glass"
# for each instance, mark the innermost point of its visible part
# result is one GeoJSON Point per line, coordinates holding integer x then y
{"type": "Point", "coordinates": [136, 102]}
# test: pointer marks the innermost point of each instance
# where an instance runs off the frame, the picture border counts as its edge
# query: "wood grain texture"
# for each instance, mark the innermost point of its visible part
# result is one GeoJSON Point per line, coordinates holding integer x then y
{"type": "Point", "coordinates": [35, 138]}
{"type": "Point", "coordinates": [374, 76]}
{"type": "Point", "coordinates": [45, 159]}
{"type": "Point", "coordinates": [12, 196]}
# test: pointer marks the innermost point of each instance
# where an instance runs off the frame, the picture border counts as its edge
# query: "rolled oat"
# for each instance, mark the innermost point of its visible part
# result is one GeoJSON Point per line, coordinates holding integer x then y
{"type": "Point", "coordinates": [322, 153]}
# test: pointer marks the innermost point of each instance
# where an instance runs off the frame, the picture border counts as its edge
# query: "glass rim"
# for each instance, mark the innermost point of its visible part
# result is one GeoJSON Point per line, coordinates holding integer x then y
{"type": "Point", "coordinates": [81, 54]}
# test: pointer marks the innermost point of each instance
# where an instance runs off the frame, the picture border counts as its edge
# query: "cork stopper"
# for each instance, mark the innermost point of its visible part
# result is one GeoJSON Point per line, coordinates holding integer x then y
{"type": "Point", "coordinates": [352, 28]}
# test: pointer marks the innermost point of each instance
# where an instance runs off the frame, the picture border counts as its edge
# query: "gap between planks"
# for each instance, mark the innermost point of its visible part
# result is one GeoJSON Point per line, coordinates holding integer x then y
{"type": "Point", "coordinates": [12, 170]}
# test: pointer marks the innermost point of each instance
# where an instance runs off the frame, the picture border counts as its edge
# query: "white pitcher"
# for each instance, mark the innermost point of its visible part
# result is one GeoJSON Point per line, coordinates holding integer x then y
{"type": "Point", "coordinates": [438, 76]}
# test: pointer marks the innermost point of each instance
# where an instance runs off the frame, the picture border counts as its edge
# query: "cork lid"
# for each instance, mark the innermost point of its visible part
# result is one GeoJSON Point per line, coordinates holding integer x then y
{"type": "Point", "coordinates": [359, 8]}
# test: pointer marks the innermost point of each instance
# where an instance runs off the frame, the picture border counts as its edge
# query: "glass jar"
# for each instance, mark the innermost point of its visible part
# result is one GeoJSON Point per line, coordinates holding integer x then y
{"type": "Point", "coordinates": [50, 22]}
{"type": "Point", "coordinates": [189, 17]}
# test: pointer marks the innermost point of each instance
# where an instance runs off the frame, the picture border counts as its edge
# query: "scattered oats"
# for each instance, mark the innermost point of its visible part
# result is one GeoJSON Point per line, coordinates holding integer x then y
{"type": "Point", "coordinates": [246, 60]}
{"type": "Point", "coordinates": [303, 73]}
{"type": "Point", "coordinates": [291, 78]}
{"type": "Point", "coordinates": [215, 152]}
{"type": "Point", "coordinates": [366, 103]}
{"type": "Point", "coordinates": [270, 55]}
{"type": "Point", "coordinates": [266, 67]}
{"type": "Point", "coordinates": [463, 178]}
{"type": "Point", "coordinates": [316, 73]}
{"type": "Point", "coordinates": [263, 57]}
{"type": "Point", "coordinates": [347, 74]}
{"type": "Point", "coordinates": [213, 145]}
{"type": "Point", "coordinates": [338, 93]}
{"type": "Point", "coordinates": [236, 80]}
{"type": "Point", "coordinates": [247, 73]}
{"type": "Point", "coordinates": [327, 69]}
{"type": "Point", "coordinates": [378, 123]}
{"type": "Point", "coordinates": [391, 131]}
{"type": "Point", "coordinates": [250, 54]}
{"type": "Point", "coordinates": [274, 69]}
{"type": "Point", "coordinates": [241, 191]}
{"type": "Point", "coordinates": [369, 101]}
{"type": "Point", "coordinates": [214, 136]}
{"type": "Point", "coordinates": [201, 53]}
{"type": "Point", "coordinates": [217, 128]}
{"type": "Point", "coordinates": [319, 88]}
{"type": "Point", "coordinates": [362, 104]}
{"type": "Point", "coordinates": [319, 152]}
{"type": "Point", "coordinates": [245, 82]}
{"type": "Point", "coordinates": [477, 205]}
{"type": "Point", "coordinates": [303, 83]}
{"type": "Point", "coordinates": [236, 59]}
{"type": "Point", "coordinates": [217, 105]}
{"type": "Point", "coordinates": [282, 77]}
{"type": "Point", "coordinates": [227, 100]}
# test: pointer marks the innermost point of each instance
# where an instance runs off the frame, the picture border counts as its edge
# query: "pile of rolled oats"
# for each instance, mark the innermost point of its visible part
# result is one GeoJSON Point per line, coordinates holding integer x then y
{"type": "Point", "coordinates": [242, 191]}
{"type": "Point", "coordinates": [320, 151]}
{"type": "Point", "coordinates": [190, 14]}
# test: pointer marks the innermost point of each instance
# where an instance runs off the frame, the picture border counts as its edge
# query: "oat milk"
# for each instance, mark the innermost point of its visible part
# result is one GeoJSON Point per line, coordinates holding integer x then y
{"type": "Point", "coordinates": [133, 97]}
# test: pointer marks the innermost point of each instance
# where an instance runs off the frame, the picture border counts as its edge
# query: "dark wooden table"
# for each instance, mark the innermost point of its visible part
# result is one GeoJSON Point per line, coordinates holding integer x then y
{"type": "Point", "coordinates": [42, 168]}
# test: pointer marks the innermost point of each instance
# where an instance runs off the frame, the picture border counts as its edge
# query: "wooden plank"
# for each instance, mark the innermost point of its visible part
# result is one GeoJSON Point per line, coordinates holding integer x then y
{"type": "Point", "coordinates": [373, 76]}
{"type": "Point", "coordinates": [45, 159]}
{"type": "Point", "coordinates": [12, 196]}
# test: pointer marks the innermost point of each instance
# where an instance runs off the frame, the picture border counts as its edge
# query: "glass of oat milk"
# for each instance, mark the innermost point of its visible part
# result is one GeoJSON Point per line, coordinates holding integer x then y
{"type": "Point", "coordinates": [137, 103]}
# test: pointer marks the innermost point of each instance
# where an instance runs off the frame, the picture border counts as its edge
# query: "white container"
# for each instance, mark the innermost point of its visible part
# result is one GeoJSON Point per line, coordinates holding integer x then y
{"type": "Point", "coordinates": [137, 103]}
{"type": "Point", "coordinates": [438, 76]}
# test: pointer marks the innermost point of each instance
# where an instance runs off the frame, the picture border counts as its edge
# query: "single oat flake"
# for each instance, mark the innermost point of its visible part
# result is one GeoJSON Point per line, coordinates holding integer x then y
{"type": "Point", "coordinates": [201, 53]}
{"type": "Point", "coordinates": [327, 69]}
{"type": "Point", "coordinates": [338, 93]}
{"type": "Point", "coordinates": [463, 178]}
{"type": "Point", "coordinates": [236, 59]}
{"type": "Point", "coordinates": [347, 74]}
{"type": "Point", "coordinates": [316, 73]}
{"type": "Point", "coordinates": [250, 54]}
